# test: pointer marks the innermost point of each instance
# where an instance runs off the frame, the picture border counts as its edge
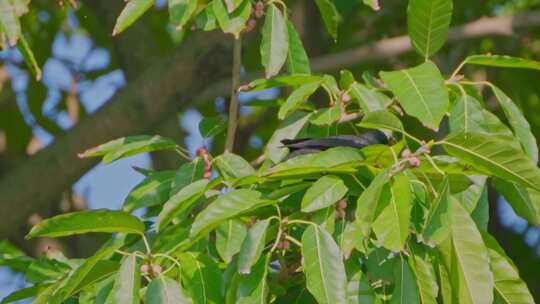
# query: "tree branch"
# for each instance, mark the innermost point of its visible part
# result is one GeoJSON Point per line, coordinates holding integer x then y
{"type": "Point", "coordinates": [149, 100]}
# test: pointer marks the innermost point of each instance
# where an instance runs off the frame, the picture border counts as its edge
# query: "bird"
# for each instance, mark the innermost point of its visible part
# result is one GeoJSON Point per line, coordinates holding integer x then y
{"type": "Point", "coordinates": [303, 146]}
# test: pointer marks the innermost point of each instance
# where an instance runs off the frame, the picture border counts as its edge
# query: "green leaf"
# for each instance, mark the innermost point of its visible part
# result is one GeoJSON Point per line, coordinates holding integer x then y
{"type": "Point", "coordinates": [381, 120]}
{"type": "Point", "coordinates": [495, 155]}
{"type": "Point", "coordinates": [288, 129]}
{"type": "Point", "coordinates": [392, 224]}
{"type": "Point", "coordinates": [282, 81]}
{"type": "Point", "coordinates": [231, 166]}
{"type": "Point", "coordinates": [28, 56]}
{"type": "Point", "coordinates": [206, 19]}
{"type": "Point", "coordinates": [368, 99]}
{"type": "Point", "coordinates": [152, 191]}
{"type": "Point", "coordinates": [428, 23]}
{"type": "Point", "coordinates": [325, 218]}
{"type": "Point", "coordinates": [87, 221]}
{"type": "Point", "coordinates": [225, 207]}
{"type": "Point", "coordinates": [425, 276]}
{"type": "Point", "coordinates": [129, 146]}
{"type": "Point", "coordinates": [323, 266]}
{"type": "Point", "coordinates": [180, 204]}
{"type": "Point", "coordinates": [480, 214]}
{"type": "Point", "coordinates": [346, 79]}
{"type": "Point", "coordinates": [229, 238]}
{"type": "Point", "coordinates": [466, 259]}
{"type": "Point", "coordinates": [323, 193]}
{"type": "Point", "coordinates": [376, 193]}
{"type": "Point", "coordinates": [73, 282]}
{"type": "Point", "coordinates": [359, 290]}
{"type": "Point", "coordinates": [127, 283]}
{"type": "Point", "coordinates": [525, 202]}
{"type": "Point", "coordinates": [298, 96]}
{"type": "Point", "coordinates": [298, 60]}
{"type": "Point", "coordinates": [509, 287]}
{"type": "Point", "coordinates": [438, 223]}
{"type": "Point", "coordinates": [469, 197]}
{"type": "Point", "coordinates": [326, 116]}
{"type": "Point", "coordinates": [253, 288]}
{"type": "Point", "coordinates": [9, 22]}
{"type": "Point", "coordinates": [329, 15]}
{"type": "Point", "coordinates": [202, 278]}
{"type": "Point", "coordinates": [133, 10]}
{"type": "Point", "coordinates": [24, 293]}
{"type": "Point", "coordinates": [163, 290]}
{"type": "Point", "coordinates": [253, 246]}
{"type": "Point", "coordinates": [519, 124]}
{"type": "Point", "coordinates": [211, 126]}
{"type": "Point", "coordinates": [187, 174]}
{"type": "Point", "coordinates": [180, 11]}
{"type": "Point", "coordinates": [275, 41]}
{"type": "Point", "coordinates": [374, 4]}
{"type": "Point", "coordinates": [405, 290]}
{"type": "Point", "coordinates": [468, 115]}
{"type": "Point", "coordinates": [421, 92]}
{"type": "Point", "coordinates": [503, 62]}
{"type": "Point", "coordinates": [235, 22]}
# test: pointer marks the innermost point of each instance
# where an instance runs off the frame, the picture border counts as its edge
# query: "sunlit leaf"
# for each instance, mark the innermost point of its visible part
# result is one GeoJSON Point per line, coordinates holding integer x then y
{"type": "Point", "coordinates": [368, 99]}
{"type": "Point", "coordinates": [127, 283]}
{"type": "Point", "coordinates": [231, 166]}
{"type": "Point", "coordinates": [225, 207]}
{"type": "Point", "coordinates": [495, 155]}
{"type": "Point", "coordinates": [437, 225]}
{"type": "Point", "coordinates": [323, 193]}
{"type": "Point", "coordinates": [181, 203]}
{"type": "Point", "coordinates": [503, 61]}
{"type": "Point", "coordinates": [152, 191]}
{"type": "Point", "coordinates": [133, 10]}
{"type": "Point", "coordinates": [234, 22]}
{"type": "Point", "coordinates": [323, 266]}
{"type": "Point", "coordinates": [109, 221]}
{"type": "Point", "coordinates": [275, 41]}
{"type": "Point", "coordinates": [421, 92]}
{"type": "Point", "coordinates": [428, 23]}
{"type": "Point", "coordinates": [180, 11]}
{"type": "Point", "coordinates": [296, 98]}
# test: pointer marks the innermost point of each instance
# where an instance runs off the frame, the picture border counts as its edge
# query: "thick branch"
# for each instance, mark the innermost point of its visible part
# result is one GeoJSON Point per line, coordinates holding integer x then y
{"type": "Point", "coordinates": [138, 107]}
{"type": "Point", "coordinates": [148, 100]}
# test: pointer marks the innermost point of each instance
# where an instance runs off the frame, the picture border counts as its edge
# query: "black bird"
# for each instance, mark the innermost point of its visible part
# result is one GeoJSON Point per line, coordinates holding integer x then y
{"type": "Point", "coordinates": [313, 145]}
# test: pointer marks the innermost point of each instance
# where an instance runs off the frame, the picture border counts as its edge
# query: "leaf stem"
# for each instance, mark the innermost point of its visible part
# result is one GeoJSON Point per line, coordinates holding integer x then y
{"type": "Point", "coordinates": [146, 244]}
{"type": "Point", "coordinates": [293, 240]}
{"type": "Point", "coordinates": [233, 107]}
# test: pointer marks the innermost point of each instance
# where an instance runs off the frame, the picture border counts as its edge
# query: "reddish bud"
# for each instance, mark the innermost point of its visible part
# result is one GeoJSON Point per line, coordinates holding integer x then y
{"type": "Point", "coordinates": [259, 6]}
{"type": "Point", "coordinates": [250, 25]}
{"type": "Point", "coordinates": [414, 162]}
{"type": "Point", "coordinates": [145, 268]}
{"type": "Point", "coordinates": [285, 245]}
{"type": "Point", "coordinates": [156, 269]}
{"type": "Point", "coordinates": [406, 153]}
{"type": "Point", "coordinates": [345, 97]}
{"type": "Point", "coordinates": [342, 204]}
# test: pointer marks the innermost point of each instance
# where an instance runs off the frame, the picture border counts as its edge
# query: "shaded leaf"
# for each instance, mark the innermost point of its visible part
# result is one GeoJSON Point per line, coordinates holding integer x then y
{"type": "Point", "coordinates": [405, 290]}
{"type": "Point", "coordinates": [152, 191]}
{"type": "Point", "coordinates": [181, 203]}
{"type": "Point", "coordinates": [180, 11]}
{"type": "Point", "coordinates": [163, 290]}
{"type": "Point", "coordinates": [376, 193]}
{"type": "Point", "coordinates": [298, 61]}
{"type": "Point", "coordinates": [202, 278]}
{"type": "Point", "coordinates": [253, 246]}
{"type": "Point", "coordinates": [288, 129]}
{"type": "Point", "coordinates": [211, 126]}
{"type": "Point", "coordinates": [87, 221]}
{"type": "Point", "coordinates": [329, 15]}
{"type": "Point", "coordinates": [525, 202]}
{"type": "Point", "coordinates": [519, 124]}
{"type": "Point", "coordinates": [229, 238]}
{"type": "Point", "coordinates": [381, 120]}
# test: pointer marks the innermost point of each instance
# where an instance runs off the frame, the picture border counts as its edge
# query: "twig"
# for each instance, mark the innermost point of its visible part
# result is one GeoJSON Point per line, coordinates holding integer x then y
{"type": "Point", "coordinates": [233, 107]}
